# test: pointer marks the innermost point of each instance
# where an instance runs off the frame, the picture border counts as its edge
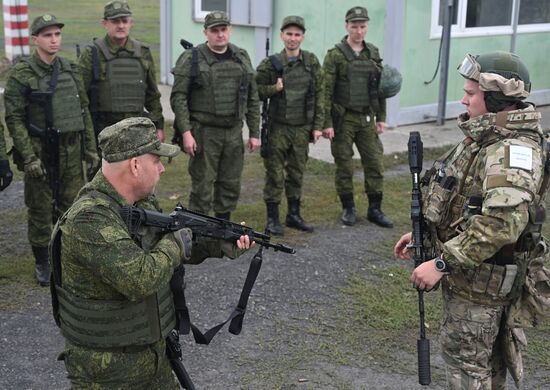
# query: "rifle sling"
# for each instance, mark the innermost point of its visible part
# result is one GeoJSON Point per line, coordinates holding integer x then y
{"type": "Point", "coordinates": [236, 317]}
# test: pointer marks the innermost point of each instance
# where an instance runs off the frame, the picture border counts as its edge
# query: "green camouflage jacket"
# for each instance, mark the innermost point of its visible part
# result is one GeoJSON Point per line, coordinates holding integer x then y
{"type": "Point", "coordinates": [266, 77]}
{"type": "Point", "coordinates": [19, 81]}
{"type": "Point", "coordinates": [335, 67]}
{"type": "Point", "coordinates": [3, 154]}
{"type": "Point", "coordinates": [152, 94]}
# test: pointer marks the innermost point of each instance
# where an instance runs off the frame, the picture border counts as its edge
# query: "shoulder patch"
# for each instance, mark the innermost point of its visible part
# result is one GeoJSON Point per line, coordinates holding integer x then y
{"type": "Point", "coordinates": [521, 157]}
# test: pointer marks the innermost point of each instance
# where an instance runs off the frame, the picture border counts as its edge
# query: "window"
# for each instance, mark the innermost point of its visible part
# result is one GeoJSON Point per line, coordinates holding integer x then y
{"type": "Point", "coordinates": [203, 7]}
{"type": "Point", "coordinates": [491, 17]}
{"type": "Point", "coordinates": [255, 13]}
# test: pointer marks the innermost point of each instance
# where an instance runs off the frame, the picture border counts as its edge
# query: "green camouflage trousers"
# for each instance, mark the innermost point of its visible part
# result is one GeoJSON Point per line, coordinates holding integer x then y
{"type": "Point", "coordinates": [357, 128]}
{"type": "Point", "coordinates": [38, 195]}
{"type": "Point", "coordinates": [216, 168]}
{"type": "Point", "coordinates": [92, 369]}
{"type": "Point", "coordinates": [286, 163]}
{"type": "Point", "coordinates": [471, 344]}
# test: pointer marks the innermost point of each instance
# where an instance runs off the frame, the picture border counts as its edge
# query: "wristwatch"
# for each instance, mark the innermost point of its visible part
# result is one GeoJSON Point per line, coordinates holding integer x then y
{"type": "Point", "coordinates": [440, 265]}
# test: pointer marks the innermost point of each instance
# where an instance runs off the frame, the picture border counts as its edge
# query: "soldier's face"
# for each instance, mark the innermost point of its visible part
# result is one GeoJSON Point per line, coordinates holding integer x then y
{"type": "Point", "coordinates": [149, 173]}
{"type": "Point", "coordinates": [118, 29]}
{"type": "Point", "coordinates": [292, 37]}
{"type": "Point", "coordinates": [474, 99]}
{"type": "Point", "coordinates": [48, 41]}
{"type": "Point", "coordinates": [357, 30]}
{"type": "Point", "coordinates": [218, 36]}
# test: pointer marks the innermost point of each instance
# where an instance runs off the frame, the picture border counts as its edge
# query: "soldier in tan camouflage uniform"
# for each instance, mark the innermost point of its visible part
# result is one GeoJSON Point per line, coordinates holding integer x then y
{"type": "Point", "coordinates": [483, 206]}
{"type": "Point", "coordinates": [115, 305]}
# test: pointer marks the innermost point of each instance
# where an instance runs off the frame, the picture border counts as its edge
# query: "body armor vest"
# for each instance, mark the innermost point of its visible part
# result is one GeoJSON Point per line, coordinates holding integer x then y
{"type": "Point", "coordinates": [454, 195]}
{"type": "Point", "coordinates": [109, 323]}
{"type": "Point", "coordinates": [294, 105]}
{"type": "Point", "coordinates": [221, 89]}
{"type": "Point", "coordinates": [357, 88]}
{"type": "Point", "coordinates": [123, 88]}
{"type": "Point", "coordinates": [67, 111]}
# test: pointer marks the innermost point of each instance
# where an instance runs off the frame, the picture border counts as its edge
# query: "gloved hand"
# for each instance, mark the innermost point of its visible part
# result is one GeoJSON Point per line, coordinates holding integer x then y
{"type": "Point", "coordinates": [92, 162]}
{"type": "Point", "coordinates": [34, 169]}
{"type": "Point", "coordinates": [184, 239]}
{"type": "Point", "coordinates": [6, 175]}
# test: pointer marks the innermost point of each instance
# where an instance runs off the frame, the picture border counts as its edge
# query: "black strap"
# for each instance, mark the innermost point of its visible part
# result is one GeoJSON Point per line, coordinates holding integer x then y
{"type": "Point", "coordinates": [52, 84]}
{"type": "Point", "coordinates": [236, 317]}
{"type": "Point", "coordinates": [277, 65]}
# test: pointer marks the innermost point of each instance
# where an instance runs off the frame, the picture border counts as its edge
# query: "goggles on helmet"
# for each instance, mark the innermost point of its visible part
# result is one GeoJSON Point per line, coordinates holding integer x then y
{"type": "Point", "coordinates": [469, 68]}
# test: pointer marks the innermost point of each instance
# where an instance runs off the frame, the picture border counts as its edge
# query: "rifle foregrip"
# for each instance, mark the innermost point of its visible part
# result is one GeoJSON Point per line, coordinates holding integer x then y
{"type": "Point", "coordinates": [424, 375]}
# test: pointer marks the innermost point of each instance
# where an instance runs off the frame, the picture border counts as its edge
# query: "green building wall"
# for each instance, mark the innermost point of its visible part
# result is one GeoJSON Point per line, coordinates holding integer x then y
{"type": "Point", "coordinates": [415, 52]}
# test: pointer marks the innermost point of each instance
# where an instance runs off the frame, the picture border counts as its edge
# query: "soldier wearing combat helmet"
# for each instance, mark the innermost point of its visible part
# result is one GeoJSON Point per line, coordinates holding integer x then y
{"type": "Point", "coordinates": [484, 208]}
{"type": "Point", "coordinates": [115, 307]}
{"type": "Point", "coordinates": [34, 82]}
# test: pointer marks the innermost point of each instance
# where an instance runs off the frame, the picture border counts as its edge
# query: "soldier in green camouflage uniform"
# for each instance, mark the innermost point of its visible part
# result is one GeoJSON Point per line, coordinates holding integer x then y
{"type": "Point", "coordinates": [210, 100]}
{"type": "Point", "coordinates": [126, 84]}
{"type": "Point", "coordinates": [25, 118]}
{"type": "Point", "coordinates": [483, 207]}
{"type": "Point", "coordinates": [115, 304]}
{"type": "Point", "coordinates": [355, 113]}
{"type": "Point", "coordinates": [295, 117]}
{"type": "Point", "coordinates": [6, 175]}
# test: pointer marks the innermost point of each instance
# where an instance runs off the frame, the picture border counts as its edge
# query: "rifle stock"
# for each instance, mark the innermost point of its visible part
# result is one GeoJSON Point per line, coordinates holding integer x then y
{"type": "Point", "coordinates": [417, 244]}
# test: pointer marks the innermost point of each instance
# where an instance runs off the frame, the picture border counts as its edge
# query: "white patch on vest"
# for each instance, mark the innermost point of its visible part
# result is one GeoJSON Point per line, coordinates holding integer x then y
{"type": "Point", "coordinates": [521, 157]}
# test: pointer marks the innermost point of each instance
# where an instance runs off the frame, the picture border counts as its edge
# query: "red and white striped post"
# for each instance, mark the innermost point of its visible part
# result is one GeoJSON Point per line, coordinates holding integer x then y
{"type": "Point", "coordinates": [16, 28]}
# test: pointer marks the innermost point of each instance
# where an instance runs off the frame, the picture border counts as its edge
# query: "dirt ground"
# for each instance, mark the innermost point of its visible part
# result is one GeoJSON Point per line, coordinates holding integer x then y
{"type": "Point", "coordinates": [281, 346]}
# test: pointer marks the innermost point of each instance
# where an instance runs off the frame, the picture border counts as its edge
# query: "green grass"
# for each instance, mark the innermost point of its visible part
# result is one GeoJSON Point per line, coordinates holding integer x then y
{"type": "Point", "coordinates": [83, 22]}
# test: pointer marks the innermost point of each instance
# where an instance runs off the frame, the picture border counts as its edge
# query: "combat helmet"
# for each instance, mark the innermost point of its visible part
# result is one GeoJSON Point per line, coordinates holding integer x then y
{"type": "Point", "coordinates": [503, 76]}
{"type": "Point", "coordinates": [390, 82]}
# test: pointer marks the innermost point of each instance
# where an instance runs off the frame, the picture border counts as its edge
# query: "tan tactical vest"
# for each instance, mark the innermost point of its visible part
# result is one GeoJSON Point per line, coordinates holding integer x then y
{"type": "Point", "coordinates": [109, 324]}
{"type": "Point", "coordinates": [124, 85]}
{"type": "Point", "coordinates": [67, 111]}
{"type": "Point", "coordinates": [221, 89]}
{"type": "Point", "coordinates": [357, 88]}
{"type": "Point", "coordinates": [454, 194]}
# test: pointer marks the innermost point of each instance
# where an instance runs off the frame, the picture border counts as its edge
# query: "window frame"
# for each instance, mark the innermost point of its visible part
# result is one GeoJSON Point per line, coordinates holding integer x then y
{"type": "Point", "coordinates": [199, 14]}
{"type": "Point", "coordinates": [459, 29]}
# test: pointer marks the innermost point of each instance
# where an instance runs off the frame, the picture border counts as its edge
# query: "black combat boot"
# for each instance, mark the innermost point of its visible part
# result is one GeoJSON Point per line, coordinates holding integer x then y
{"type": "Point", "coordinates": [42, 265]}
{"type": "Point", "coordinates": [293, 217]}
{"type": "Point", "coordinates": [226, 216]}
{"type": "Point", "coordinates": [348, 205]}
{"type": "Point", "coordinates": [375, 214]}
{"type": "Point", "coordinates": [273, 226]}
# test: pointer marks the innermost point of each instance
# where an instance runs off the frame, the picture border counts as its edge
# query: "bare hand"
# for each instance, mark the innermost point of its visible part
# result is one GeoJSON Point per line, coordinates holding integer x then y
{"type": "Point", "coordinates": [244, 241]}
{"type": "Point", "coordinates": [279, 86]}
{"type": "Point", "coordinates": [328, 133]}
{"type": "Point", "coordinates": [400, 250]}
{"type": "Point", "coordinates": [253, 144]}
{"type": "Point", "coordinates": [316, 134]}
{"type": "Point", "coordinates": [380, 126]}
{"type": "Point", "coordinates": [426, 276]}
{"type": "Point", "coordinates": [160, 135]}
{"type": "Point", "coordinates": [189, 144]}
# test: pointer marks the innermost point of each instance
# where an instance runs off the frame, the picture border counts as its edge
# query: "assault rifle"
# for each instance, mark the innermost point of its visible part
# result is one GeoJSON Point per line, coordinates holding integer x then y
{"type": "Point", "coordinates": [418, 231]}
{"type": "Point", "coordinates": [50, 137]}
{"type": "Point", "coordinates": [265, 117]}
{"type": "Point", "coordinates": [177, 138]}
{"type": "Point", "coordinates": [202, 226]}
{"type": "Point", "coordinates": [173, 351]}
